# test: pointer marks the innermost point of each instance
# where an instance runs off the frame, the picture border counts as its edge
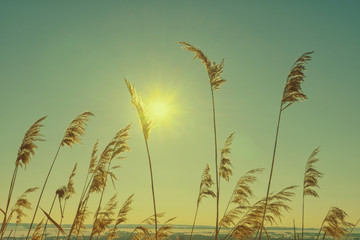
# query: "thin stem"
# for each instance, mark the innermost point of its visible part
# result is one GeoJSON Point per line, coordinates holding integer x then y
{"type": "Point", "coordinates": [4, 225]}
{"type": "Point", "coordinates": [216, 167]}
{"type": "Point", "coordinates": [62, 217]}
{"type": "Point", "coordinates": [271, 171]}
{"type": "Point", "coordinates": [152, 185]}
{"type": "Point", "coordinates": [322, 224]}
{"type": "Point", "coordinates": [294, 229]}
{"type": "Point", "coordinates": [9, 234]}
{"type": "Point", "coordinates": [99, 206]}
{"type": "Point", "coordinates": [352, 229]}
{"type": "Point", "coordinates": [267, 236]}
{"type": "Point", "coordinates": [52, 205]}
{"type": "Point", "coordinates": [303, 213]}
{"type": "Point", "coordinates": [15, 231]}
{"type": "Point", "coordinates": [42, 191]}
{"type": "Point", "coordinates": [82, 204]}
{"type": "Point", "coordinates": [192, 229]}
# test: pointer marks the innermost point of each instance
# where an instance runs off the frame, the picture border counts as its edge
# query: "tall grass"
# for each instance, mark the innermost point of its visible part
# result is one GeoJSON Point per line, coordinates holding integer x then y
{"type": "Point", "coordinates": [214, 72]}
{"type": "Point", "coordinates": [146, 126]}
{"type": "Point", "coordinates": [204, 191]}
{"type": "Point", "coordinates": [242, 219]}
{"type": "Point", "coordinates": [26, 150]}
{"type": "Point", "coordinates": [311, 178]}
{"type": "Point", "coordinates": [292, 93]}
{"type": "Point", "coordinates": [73, 134]}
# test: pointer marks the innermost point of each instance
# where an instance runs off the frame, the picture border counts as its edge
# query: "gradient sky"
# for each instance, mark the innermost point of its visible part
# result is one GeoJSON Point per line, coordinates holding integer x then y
{"type": "Point", "coordinates": [59, 58]}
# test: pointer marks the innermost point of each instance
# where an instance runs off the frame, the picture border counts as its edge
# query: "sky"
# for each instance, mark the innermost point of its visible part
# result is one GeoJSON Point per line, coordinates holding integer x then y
{"type": "Point", "coordinates": [60, 58]}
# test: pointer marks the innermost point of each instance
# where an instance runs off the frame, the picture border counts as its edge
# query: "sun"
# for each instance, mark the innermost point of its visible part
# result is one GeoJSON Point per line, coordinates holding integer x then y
{"type": "Point", "coordinates": [162, 108]}
{"type": "Point", "coordinates": [159, 109]}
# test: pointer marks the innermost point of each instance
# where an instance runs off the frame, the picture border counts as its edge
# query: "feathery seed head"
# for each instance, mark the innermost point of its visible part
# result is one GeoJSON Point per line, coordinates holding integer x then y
{"type": "Point", "coordinates": [76, 129]}
{"type": "Point", "coordinates": [243, 192]}
{"type": "Point", "coordinates": [105, 217]}
{"type": "Point", "coordinates": [37, 232]}
{"type": "Point", "coordinates": [28, 145]}
{"type": "Point", "coordinates": [225, 164]}
{"type": "Point", "coordinates": [214, 70]}
{"type": "Point", "coordinates": [70, 190]}
{"type": "Point", "coordinates": [21, 204]}
{"type": "Point", "coordinates": [121, 217]}
{"type": "Point", "coordinates": [292, 91]}
{"type": "Point", "coordinates": [335, 223]}
{"type": "Point", "coordinates": [113, 150]}
{"type": "Point", "coordinates": [144, 116]}
{"type": "Point", "coordinates": [79, 225]}
{"type": "Point", "coordinates": [312, 175]}
{"type": "Point", "coordinates": [93, 159]}
{"type": "Point", "coordinates": [205, 185]}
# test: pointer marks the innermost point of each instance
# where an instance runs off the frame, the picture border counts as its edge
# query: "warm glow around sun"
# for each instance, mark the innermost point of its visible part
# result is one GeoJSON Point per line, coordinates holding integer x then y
{"type": "Point", "coordinates": [162, 108]}
{"type": "Point", "coordinates": [159, 109]}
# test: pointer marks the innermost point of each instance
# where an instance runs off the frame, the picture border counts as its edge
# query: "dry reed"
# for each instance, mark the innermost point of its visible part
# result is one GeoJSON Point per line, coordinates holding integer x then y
{"type": "Point", "coordinates": [335, 223]}
{"type": "Point", "coordinates": [121, 218]}
{"type": "Point", "coordinates": [204, 191]}
{"type": "Point", "coordinates": [37, 232]}
{"type": "Point", "coordinates": [73, 134]}
{"type": "Point", "coordinates": [311, 178]}
{"type": "Point", "coordinates": [292, 93]}
{"type": "Point", "coordinates": [252, 219]}
{"type": "Point", "coordinates": [104, 217]}
{"type": "Point", "coordinates": [26, 150]}
{"type": "Point", "coordinates": [146, 126]}
{"type": "Point", "coordinates": [240, 197]}
{"type": "Point", "coordinates": [214, 72]}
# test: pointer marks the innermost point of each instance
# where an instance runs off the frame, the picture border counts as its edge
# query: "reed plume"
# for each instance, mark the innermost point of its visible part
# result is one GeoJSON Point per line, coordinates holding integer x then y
{"type": "Point", "coordinates": [144, 116]}
{"type": "Point", "coordinates": [292, 93]}
{"type": "Point", "coordinates": [240, 197]}
{"type": "Point", "coordinates": [204, 191]}
{"type": "Point", "coordinates": [117, 146]}
{"type": "Point", "coordinates": [252, 219]}
{"type": "Point", "coordinates": [165, 230]}
{"type": "Point", "coordinates": [73, 134]}
{"type": "Point", "coordinates": [104, 217]}
{"type": "Point", "coordinates": [311, 178]}
{"type": "Point", "coordinates": [65, 193]}
{"type": "Point", "coordinates": [37, 232]}
{"type": "Point", "coordinates": [352, 229]}
{"type": "Point", "coordinates": [21, 204]}
{"type": "Point", "coordinates": [144, 233]}
{"type": "Point", "coordinates": [25, 152]}
{"type": "Point", "coordinates": [81, 213]}
{"type": "Point", "coordinates": [121, 218]}
{"type": "Point", "coordinates": [146, 126]}
{"type": "Point", "coordinates": [335, 223]}
{"type": "Point", "coordinates": [225, 164]}
{"type": "Point", "coordinates": [214, 71]}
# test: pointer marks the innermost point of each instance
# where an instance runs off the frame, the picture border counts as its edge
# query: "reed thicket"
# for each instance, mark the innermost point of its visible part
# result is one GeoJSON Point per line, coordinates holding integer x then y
{"type": "Point", "coordinates": [244, 216]}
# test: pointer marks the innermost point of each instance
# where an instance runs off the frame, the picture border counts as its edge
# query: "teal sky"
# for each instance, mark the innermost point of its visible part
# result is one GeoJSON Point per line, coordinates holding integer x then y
{"type": "Point", "coordinates": [60, 58]}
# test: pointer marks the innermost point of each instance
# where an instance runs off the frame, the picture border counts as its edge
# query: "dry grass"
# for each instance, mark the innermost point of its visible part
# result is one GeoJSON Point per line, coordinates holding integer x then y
{"type": "Point", "coordinates": [292, 93]}
{"type": "Point", "coordinates": [243, 221]}
{"type": "Point", "coordinates": [214, 71]}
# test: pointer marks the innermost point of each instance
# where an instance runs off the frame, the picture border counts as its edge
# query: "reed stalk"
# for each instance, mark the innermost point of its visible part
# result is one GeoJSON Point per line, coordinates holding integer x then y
{"type": "Point", "coordinates": [292, 93]}
{"type": "Point", "coordinates": [311, 178]}
{"type": "Point", "coordinates": [25, 152]}
{"type": "Point", "coordinates": [73, 134]}
{"type": "Point", "coordinates": [204, 191]}
{"type": "Point", "coordinates": [46, 222]}
{"type": "Point", "coordinates": [214, 72]}
{"type": "Point", "coordinates": [146, 124]}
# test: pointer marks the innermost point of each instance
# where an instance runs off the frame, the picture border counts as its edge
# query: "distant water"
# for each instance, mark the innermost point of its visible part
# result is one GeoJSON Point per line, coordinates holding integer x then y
{"type": "Point", "coordinates": [180, 230]}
